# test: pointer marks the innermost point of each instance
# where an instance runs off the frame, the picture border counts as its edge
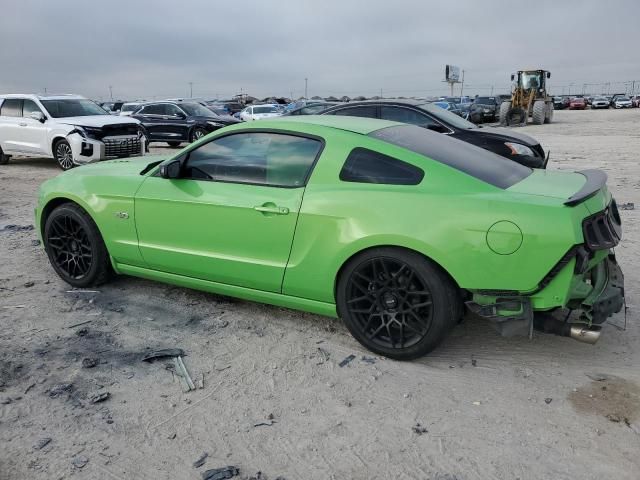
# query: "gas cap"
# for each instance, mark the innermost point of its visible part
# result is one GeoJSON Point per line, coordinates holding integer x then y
{"type": "Point", "coordinates": [504, 237]}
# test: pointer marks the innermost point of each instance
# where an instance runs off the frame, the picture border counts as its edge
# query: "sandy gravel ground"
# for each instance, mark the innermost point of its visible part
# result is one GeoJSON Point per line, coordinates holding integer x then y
{"type": "Point", "coordinates": [488, 407]}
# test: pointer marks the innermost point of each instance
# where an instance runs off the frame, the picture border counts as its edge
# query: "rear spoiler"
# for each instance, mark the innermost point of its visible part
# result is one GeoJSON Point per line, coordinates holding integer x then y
{"type": "Point", "coordinates": [596, 179]}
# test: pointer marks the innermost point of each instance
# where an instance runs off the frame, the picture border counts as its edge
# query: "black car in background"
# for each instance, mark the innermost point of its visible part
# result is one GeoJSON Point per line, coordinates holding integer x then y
{"type": "Point", "coordinates": [513, 145]}
{"type": "Point", "coordinates": [311, 108]}
{"type": "Point", "coordinates": [177, 122]}
{"type": "Point", "coordinates": [484, 109]}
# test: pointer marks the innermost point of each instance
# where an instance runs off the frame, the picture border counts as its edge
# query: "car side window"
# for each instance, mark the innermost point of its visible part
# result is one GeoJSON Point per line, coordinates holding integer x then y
{"type": "Point", "coordinates": [28, 107]}
{"type": "Point", "coordinates": [11, 107]}
{"type": "Point", "coordinates": [157, 109]}
{"type": "Point", "coordinates": [405, 115]}
{"type": "Point", "coordinates": [272, 159]}
{"type": "Point", "coordinates": [365, 111]}
{"type": "Point", "coordinates": [366, 166]}
{"type": "Point", "coordinates": [171, 110]}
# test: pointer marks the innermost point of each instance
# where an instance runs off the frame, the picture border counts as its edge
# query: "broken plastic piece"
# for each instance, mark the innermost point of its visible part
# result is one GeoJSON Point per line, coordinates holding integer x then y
{"type": "Point", "coordinates": [220, 473]}
{"type": "Point", "coordinates": [163, 353]}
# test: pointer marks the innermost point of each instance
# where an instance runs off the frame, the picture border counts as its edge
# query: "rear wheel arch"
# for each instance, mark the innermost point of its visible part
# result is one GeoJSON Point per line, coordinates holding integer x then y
{"type": "Point", "coordinates": [361, 252]}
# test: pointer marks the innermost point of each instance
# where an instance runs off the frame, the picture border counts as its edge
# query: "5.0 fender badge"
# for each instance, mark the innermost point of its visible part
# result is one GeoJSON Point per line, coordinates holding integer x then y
{"type": "Point", "coordinates": [123, 215]}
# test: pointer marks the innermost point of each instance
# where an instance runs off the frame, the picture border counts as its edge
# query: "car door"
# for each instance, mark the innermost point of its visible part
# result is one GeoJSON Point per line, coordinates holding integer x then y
{"type": "Point", "coordinates": [230, 217]}
{"type": "Point", "coordinates": [32, 134]}
{"type": "Point", "coordinates": [152, 117]}
{"type": "Point", "coordinates": [176, 125]}
{"type": "Point", "coordinates": [10, 120]}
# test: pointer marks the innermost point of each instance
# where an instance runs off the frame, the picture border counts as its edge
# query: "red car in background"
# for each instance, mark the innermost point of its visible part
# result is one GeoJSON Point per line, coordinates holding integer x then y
{"type": "Point", "coordinates": [577, 103]}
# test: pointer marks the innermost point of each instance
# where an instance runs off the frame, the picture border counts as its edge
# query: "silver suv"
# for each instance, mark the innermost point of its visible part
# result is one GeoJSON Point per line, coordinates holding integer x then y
{"type": "Point", "coordinates": [69, 128]}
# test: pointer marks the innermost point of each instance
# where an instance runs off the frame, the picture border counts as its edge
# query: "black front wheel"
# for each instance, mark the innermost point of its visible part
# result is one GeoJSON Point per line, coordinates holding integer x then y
{"type": "Point", "coordinates": [173, 144]}
{"type": "Point", "coordinates": [75, 247]}
{"type": "Point", "coordinates": [397, 303]}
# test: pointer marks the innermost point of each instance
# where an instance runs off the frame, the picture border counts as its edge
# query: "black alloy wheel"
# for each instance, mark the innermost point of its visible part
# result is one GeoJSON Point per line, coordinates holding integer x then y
{"type": "Point", "coordinates": [397, 303]}
{"type": "Point", "coordinates": [75, 247]}
{"type": "Point", "coordinates": [197, 134]}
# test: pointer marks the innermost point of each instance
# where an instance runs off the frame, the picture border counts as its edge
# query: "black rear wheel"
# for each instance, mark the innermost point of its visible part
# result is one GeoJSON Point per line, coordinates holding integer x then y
{"type": "Point", "coordinates": [174, 144]}
{"type": "Point", "coordinates": [4, 159]}
{"type": "Point", "coordinates": [397, 303]}
{"type": "Point", "coordinates": [75, 247]}
{"type": "Point", "coordinates": [197, 134]}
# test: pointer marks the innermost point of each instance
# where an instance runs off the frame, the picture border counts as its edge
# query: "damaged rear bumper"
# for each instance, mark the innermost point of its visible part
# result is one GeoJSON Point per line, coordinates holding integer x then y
{"type": "Point", "coordinates": [597, 293]}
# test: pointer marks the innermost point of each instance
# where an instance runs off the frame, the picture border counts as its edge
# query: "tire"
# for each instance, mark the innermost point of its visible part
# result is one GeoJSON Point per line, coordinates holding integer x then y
{"type": "Point", "coordinates": [504, 111]}
{"type": "Point", "coordinates": [174, 144]}
{"type": "Point", "coordinates": [538, 115]}
{"type": "Point", "coordinates": [197, 134]}
{"type": "Point", "coordinates": [548, 118]}
{"type": "Point", "coordinates": [381, 281]}
{"type": "Point", "coordinates": [63, 155]}
{"type": "Point", "coordinates": [4, 159]}
{"type": "Point", "coordinates": [75, 247]}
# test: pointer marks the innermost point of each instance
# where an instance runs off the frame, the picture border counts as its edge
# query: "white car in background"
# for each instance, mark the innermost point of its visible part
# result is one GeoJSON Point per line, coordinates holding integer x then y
{"type": "Point", "coordinates": [258, 112]}
{"type": "Point", "coordinates": [622, 102]}
{"type": "Point", "coordinates": [69, 128]}
{"type": "Point", "coordinates": [129, 108]}
{"type": "Point", "coordinates": [599, 102]}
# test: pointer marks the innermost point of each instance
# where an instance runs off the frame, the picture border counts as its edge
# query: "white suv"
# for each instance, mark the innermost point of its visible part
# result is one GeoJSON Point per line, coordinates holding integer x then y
{"type": "Point", "coordinates": [69, 128]}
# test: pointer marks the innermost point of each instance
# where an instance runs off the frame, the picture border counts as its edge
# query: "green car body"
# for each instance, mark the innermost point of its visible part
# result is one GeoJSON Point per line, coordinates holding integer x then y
{"type": "Point", "coordinates": [507, 249]}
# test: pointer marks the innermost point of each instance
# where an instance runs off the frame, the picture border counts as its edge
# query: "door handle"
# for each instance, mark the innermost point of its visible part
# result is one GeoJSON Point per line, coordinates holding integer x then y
{"type": "Point", "coordinates": [271, 208]}
{"type": "Point", "coordinates": [22, 124]}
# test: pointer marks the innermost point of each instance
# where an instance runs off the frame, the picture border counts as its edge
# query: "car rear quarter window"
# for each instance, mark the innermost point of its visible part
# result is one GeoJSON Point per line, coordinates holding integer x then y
{"type": "Point", "coordinates": [11, 107]}
{"type": "Point", "coordinates": [261, 158]}
{"type": "Point", "coordinates": [475, 161]}
{"type": "Point", "coordinates": [366, 166]}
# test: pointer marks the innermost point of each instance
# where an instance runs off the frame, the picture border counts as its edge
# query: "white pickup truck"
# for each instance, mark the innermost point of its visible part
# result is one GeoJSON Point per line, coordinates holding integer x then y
{"type": "Point", "coordinates": [69, 128]}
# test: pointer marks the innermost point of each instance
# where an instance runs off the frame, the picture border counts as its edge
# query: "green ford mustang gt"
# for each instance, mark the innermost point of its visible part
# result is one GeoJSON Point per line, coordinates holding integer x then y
{"type": "Point", "coordinates": [389, 226]}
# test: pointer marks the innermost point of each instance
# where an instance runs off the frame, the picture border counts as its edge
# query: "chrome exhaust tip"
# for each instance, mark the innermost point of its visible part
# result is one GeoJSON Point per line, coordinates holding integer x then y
{"type": "Point", "coordinates": [584, 333]}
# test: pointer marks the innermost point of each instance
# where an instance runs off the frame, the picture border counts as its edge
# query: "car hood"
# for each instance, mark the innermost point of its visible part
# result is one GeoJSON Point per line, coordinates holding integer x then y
{"type": "Point", "coordinates": [118, 167]}
{"type": "Point", "coordinates": [555, 184]}
{"type": "Point", "coordinates": [506, 134]}
{"type": "Point", "coordinates": [216, 118]}
{"type": "Point", "coordinates": [97, 120]}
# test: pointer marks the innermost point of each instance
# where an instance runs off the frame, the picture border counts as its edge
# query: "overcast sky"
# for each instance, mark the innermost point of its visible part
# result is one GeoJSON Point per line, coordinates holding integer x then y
{"type": "Point", "coordinates": [147, 49]}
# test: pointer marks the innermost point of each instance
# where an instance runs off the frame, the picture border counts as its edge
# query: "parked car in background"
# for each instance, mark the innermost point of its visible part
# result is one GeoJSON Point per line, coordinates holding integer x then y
{"type": "Point", "coordinates": [177, 122]}
{"type": "Point", "coordinates": [112, 107]}
{"type": "Point", "coordinates": [599, 102]}
{"type": "Point", "coordinates": [258, 112]}
{"type": "Point", "coordinates": [449, 106]}
{"type": "Point", "coordinates": [484, 109]}
{"type": "Point", "coordinates": [506, 142]}
{"type": "Point", "coordinates": [622, 102]}
{"type": "Point", "coordinates": [128, 108]}
{"type": "Point", "coordinates": [560, 103]}
{"type": "Point", "coordinates": [68, 128]}
{"type": "Point", "coordinates": [310, 108]}
{"type": "Point", "coordinates": [635, 100]}
{"type": "Point", "coordinates": [577, 103]}
{"type": "Point", "coordinates": [392, 228]}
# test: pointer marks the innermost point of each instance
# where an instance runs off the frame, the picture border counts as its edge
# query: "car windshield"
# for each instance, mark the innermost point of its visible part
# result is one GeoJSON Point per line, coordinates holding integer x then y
{"type": "Point", "coordinates": [72, 108]}
{"type": "Point", "coordinates": [447, 117]}
{"type": "Point", "coordinates": [475, 161]}
{"type": "Point", "coordinates": [196, 110]}
{"type": "Point", "coordinates": [486, 100]}
{"type": "Point", "coordinates": [623, 99]}
{"type": "Point", "coordinates": [265, 109]}
{"type": "Point", "coordinates": [600, 99]}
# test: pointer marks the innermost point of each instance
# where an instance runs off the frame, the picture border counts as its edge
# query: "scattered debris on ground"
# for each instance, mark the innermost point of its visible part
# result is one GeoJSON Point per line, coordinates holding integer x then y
{"type": "Point", "coordinates": [89, 362]}
{"type": "Point", "coordinates": [419, 429]}
{"type": "Point", "coordinates": [60, 389]}
{"type": "Point", "coordinates": [347, 360]}
{"type": "Point", "coordinates": [17, 228]}
{"type": "Point", "coordinates": [79, 461]}
{"type": "Point", "coordinates": [163, 353]}
{"type": "Point", "coordinates": [220, 473]}
{"type": "Point", "coordinates": [43, 442]}
{"type": "Point", "coordinates": [627, 206]}
{"type": "Point", "coordinates": [548, 400]}
{"type": "Point", "coordinates": [99, 397]}
{"type": "Point", "coordinates": [201, 460]}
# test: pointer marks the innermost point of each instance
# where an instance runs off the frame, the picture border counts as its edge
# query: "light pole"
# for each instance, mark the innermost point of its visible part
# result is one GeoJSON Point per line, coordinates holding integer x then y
{"type": "Point", "coordinates": [190, 89]}
{"type": "Point", "coordinates": [305, 87]}
{"type": "Point", "coordinates": [111, 92]}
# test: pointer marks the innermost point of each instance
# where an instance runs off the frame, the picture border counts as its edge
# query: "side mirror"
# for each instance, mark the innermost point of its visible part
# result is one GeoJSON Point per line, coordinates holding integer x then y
{"type": "Point", "coordinates": [548, 74]}
{"type": "Point", "coordinates": [39, 116]}
{"type": "Point", "coordinates": [180, 115]}
{"type": "Point", "coordinates": [171, 170]}
{"type": "Point", "coordinates": [513, 77]}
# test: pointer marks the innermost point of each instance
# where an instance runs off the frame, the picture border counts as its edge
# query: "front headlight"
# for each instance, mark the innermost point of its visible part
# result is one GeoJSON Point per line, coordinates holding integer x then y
{"type": "Point", "coordinates": [215, 124]}
{"type": "Point", "coordinates": [88, 132]}
{"type": "Point", "coordinates": [518, 149]}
